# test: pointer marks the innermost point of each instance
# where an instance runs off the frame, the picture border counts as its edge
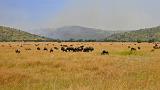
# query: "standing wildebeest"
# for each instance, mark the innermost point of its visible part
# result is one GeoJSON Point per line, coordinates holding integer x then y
{"type": "Point", "coordinates": [51, 50]}
{"type": "Point", "coordinates": [152, 50]}
{"type": "Point", "coordinates": [80, 49]}
{"type": "Point", "coordinates": [63, 49]}
{"type": "Point", "coordinates": [139, 48]}
{"type": "Point", "coordinates": [129, 46]}
{"type": "Point", "coordinates": [104, 52]}
{"type": "Point", "coordinates": [17, 51]}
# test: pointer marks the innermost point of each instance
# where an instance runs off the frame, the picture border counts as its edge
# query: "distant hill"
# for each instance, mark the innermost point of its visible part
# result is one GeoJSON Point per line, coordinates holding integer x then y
{"type": "Point", "coordinates": [11, 34]}
{"type": "Point", "coordinates": [76, 33]}
{"type": "Point", "coordinates": [142, 34]}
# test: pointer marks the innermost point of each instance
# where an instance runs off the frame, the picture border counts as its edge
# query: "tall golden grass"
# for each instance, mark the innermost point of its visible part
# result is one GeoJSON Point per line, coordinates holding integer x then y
{"type": "Point", "coordinates": [41, 70]}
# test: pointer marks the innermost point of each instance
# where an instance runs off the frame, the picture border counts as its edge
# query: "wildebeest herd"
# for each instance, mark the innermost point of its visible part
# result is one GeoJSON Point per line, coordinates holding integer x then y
{"type": "Point", "coordinates": [75, 48]}
{"type": "Point", "coordinates": [63, 48]}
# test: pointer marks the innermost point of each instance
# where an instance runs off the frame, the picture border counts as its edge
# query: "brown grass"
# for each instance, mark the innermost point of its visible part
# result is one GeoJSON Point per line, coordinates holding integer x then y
{"type": "Point", "coordinates": [41, 70]}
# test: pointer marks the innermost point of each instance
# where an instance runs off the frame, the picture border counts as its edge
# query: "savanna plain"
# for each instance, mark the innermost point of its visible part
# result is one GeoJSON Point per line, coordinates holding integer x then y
{"type": "Point", "coordinates": [122, 69]}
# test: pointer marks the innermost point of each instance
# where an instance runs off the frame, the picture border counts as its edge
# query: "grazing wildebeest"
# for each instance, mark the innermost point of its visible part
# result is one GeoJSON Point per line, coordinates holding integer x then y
{"type": "Point", "coordinates": [36, 44]}
{"type": "Point", "coordinates": [38, 48]}
{"type": "Point", "coordinates": [133, 49]}
{"type": "Point", "coordinates": [64, 45]}
{"type": "Point", "coordinates": [56, 48]}
{"type": "Point", "coordinates": [70, 49]}
{"type": "Point", "coordinates": [156, 46]}
{"type": "Point", "coordinates": [47, 44]}
{"type": "Point", "coordinates": [80, 49]}
{"type": "Point", "coordinates": [17, 51]}
{"type": "Point", "coordinates": [88, 49]}
{"type": "Point", "coordinates": [28, 49]}
{"type": "Point", "coordinates": [51, 50]}
{"type": "Point", "coordinates": [45, 49]}
{"type": "Point", "coordinates": [104, 52]}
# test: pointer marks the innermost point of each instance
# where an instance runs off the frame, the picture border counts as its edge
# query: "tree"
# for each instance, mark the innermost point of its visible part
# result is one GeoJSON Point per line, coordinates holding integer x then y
{"type": "Point", "coordinates": [151, 40]}
{"type": "Point", "coordinates": [139, 41]}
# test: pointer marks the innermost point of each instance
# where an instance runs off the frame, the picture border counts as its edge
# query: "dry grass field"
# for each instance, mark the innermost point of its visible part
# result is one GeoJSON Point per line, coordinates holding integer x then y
{"type": "Point", "coordinates": [42, 70]}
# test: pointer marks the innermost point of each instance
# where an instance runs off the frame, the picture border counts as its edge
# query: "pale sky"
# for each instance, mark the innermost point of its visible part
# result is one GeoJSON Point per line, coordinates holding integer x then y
{"type": "Point", "coordinates": [102, 14]}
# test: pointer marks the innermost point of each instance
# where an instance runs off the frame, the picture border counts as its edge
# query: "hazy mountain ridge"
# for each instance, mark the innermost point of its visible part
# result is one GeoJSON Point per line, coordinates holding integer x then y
{"type": "Point", "coordinates": [76, 33]}
{"type": "Point", "coordinates": [11, 34]}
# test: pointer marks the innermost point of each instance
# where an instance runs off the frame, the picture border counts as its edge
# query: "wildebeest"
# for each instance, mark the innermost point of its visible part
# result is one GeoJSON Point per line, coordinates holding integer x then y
{"type": "Point", "coordinates": [152, 50]}
{"type": "Point", "coordinates": [45, 49]}
{"type": "Point", "coordinates": [64, 45]}
{"type": "Point", "coordinates": [63, 49]}
{"type": "Point", "coordinates": [36, 44]}
{"type": "Point", "coordinates": [139, 48]}
{"type": "Point", "coordinates": [47, 44]}
{"type": "Point", "coordinates": [88, 49]}
{"type": "Point", "coordinates": [56, 48]}
{"type": "Point", "coordinates": [129, 46]}
{"type": "Point", "coordinates": [80, 49]}
{"type": "Point", "coordinates": [156, 46]}
{"type": "Point", "coordinates": [69, 49]}
{"type": "Point", "coordinates": [104, 52]}
{"type": "Point", "coordinates": [17, 51]}
{"type": "Point", "coordinates": [133, 49]}
{"type": "Point", "coordinates": [28, 49]}
{"type": "Point", "coordinates": [38, 48]}
{"type": "Point", "coordinates": [51, 50]}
